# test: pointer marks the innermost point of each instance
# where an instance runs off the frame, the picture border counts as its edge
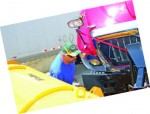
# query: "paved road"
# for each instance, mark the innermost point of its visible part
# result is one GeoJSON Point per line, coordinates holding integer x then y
{"type": "Point", "coordinates": [80, 69]}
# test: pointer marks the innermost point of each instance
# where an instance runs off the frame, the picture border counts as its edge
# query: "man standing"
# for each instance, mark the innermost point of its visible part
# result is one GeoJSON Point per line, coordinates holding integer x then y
{"type": "Point", "coordinates": [63, 66]}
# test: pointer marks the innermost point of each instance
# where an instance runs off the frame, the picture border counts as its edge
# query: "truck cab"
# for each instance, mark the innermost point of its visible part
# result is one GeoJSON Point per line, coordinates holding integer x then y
{"type": "Point", "coordinates": [109, 39]}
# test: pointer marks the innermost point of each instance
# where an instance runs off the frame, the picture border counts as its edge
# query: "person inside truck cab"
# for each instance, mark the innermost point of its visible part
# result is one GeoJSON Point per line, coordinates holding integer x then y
{"type": "Point", "coordinates": [63, 66]}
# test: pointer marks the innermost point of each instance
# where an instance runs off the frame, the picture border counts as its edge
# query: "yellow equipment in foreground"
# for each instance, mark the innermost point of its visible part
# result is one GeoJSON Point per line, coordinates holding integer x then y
{"type": "Point", "coordinates": [35, 90]}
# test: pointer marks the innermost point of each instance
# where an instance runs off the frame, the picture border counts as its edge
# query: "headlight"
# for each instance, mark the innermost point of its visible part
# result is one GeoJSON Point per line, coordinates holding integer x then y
{"type": "Point", "coordinates": [95, 62]}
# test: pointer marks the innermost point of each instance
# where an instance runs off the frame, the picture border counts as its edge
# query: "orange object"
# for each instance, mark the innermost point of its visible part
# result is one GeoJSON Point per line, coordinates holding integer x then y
{"type": "Point", "coordinates": [97, 91]}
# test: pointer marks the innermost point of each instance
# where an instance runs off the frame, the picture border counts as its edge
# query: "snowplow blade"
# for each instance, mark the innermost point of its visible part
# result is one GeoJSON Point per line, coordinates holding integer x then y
{"type": "Point", "coordinates": [35, 90]}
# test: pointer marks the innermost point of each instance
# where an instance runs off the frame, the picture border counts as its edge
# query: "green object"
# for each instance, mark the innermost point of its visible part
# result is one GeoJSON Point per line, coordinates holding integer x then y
{"type": "Point", "coordinates": [70, 49]}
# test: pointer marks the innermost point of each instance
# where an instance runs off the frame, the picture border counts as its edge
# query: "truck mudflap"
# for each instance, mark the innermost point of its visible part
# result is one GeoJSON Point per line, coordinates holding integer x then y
{"type": "Point", "coordinates": [137, 60]}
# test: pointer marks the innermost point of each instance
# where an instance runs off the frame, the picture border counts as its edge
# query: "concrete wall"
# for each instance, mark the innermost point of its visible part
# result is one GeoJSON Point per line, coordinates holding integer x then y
{"type": "Point", "coordinates": [41, 61]}
{"type": "Point", "coordinates": [42, 64]}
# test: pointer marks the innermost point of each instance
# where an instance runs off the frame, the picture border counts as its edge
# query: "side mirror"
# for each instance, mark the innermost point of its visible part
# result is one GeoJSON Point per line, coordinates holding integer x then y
{"type": "Point", "coordinates": [75, 23]}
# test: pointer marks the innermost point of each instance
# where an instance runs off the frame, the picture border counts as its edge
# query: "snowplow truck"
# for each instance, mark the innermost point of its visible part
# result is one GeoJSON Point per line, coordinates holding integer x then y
{"type": "Point", "coordinates": [109, 38]}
